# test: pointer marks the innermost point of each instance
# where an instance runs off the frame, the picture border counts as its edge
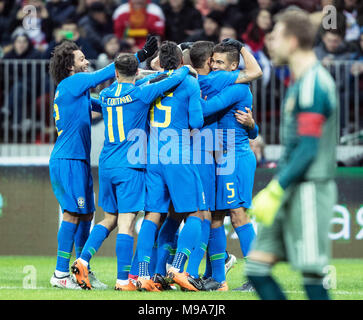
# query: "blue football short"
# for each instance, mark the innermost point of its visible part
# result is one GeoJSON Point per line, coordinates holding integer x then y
{"type": "Point", "coordinates": [178, 183]}
{"type": "Point", "coordinates": [121, 190]}
{"type": "Point", "coordinates": [207, 173]}
{"type": "Point", "coordinates": [72, 185]}
{"type": "Point", "coordinates": [234, 190]}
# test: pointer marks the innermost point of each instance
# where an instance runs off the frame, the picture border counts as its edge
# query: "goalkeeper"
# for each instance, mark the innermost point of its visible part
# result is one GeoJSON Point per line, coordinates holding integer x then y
{"type": "Point", "coordinates": [296, 207]}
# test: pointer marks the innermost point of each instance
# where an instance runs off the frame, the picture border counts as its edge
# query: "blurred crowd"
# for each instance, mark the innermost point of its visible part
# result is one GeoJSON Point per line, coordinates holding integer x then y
{"type": "Point", "coordinates": [30, 29]}
{"type": "Point", "coordinates": [105, 27]}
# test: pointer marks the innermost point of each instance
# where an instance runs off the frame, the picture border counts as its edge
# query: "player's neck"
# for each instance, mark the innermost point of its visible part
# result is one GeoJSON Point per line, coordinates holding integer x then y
{"type": "Point", "coordinates": [126, 80]}
{"type": "Point", "coordinates": [301, 61]}
{"type": "Point", "coordinates": [203, 71]}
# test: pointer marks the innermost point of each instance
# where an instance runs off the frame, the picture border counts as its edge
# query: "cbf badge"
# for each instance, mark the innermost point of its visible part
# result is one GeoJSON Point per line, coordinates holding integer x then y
{"type": "Point", "coordinates": [81, 202]}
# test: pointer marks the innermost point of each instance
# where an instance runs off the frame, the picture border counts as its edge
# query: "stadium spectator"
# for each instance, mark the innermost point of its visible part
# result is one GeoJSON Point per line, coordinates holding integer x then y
{"type": "Point", "coordinates": [96, 24]}
{"type": "Point", "coordinates": [69, 30]}
{"type": "Point", "coordinates": [349, 9]}
{"type": "Point", "coordinates": [40, 31]}
{"type": "Point", "coordinates": [255, 34]}
{"type": "Point", "coordinates": [83, 5]}
{"type": "Point", "coordinates": [20, 80]}
{"type": "Point", "coordinates": [60, 10]}
{"type": "Point", "coordinates": [138, 18]}
{"type": "Point", "coordinates": [333, 47]}
{"type": "Point", "coordinates": [227, 31]}
{"type": "Point", "coordinates": [231, 13]}
{"type": "Point", "coordinates": [7, 15]}
{"type": "Point", "coordinates": [210, 31]}
{"type": "Point", "coordinates": [181, 20]}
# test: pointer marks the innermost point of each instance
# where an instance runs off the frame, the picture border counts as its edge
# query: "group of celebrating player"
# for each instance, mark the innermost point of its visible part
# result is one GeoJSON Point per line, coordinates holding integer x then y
{"type": "Point", "coordinates": [176, 146]}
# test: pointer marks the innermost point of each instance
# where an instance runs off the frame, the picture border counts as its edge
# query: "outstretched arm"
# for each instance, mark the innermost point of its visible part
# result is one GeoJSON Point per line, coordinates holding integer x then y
{"type": "Point", "coordinates": [252, 69]}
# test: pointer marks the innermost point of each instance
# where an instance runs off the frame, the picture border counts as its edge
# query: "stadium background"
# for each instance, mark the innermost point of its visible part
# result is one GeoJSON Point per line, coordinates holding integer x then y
{"type": "Point", "coordinates": [28, 208]}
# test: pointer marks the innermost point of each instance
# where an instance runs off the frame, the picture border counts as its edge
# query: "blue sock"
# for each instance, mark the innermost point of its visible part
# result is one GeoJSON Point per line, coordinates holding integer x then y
{"type": "Point", "coordinates": [65, 237]}
{"type": "Point", "coordinates": [134, 265]}
{"type": "Point", "coordinates": [246, 234]}
{"type": "Point", "coordinates": [153, 261]}
{"type": "Point", "coordinates": [98, 235]}
{"type": "Point", "coordinates": [165, 242]}
{"type": "Point", "coordinates": [189, 238]}
{"type": "Point", "coordinates": [173, 248]}
{"type": "Point", "coordinates": [124, 250]}
{"type": "Point", "coordinates": [217, 253]}
{"type": "Point", "coordinates": [198, 253]}
{"type": "Point", "coordinates": [145, 243]}
{"type": "Point", "coordinates": [81, 237]}
{"type": "Point", "coordinates": [208, 266]}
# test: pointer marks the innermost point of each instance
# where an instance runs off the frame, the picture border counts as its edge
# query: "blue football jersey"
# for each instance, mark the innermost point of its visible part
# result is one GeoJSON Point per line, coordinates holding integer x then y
{"type": "Point", "coordinates": [210, 85]}
{"type": "Point", "coordinates": [72, 113]}
{"type": "Point", "coordinates": [171, 118]}
{"type": "Point", "coordinates": [125, 110]}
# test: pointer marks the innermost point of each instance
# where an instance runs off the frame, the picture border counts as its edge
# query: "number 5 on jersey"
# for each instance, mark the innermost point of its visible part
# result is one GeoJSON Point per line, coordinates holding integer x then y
{"type": "Point", "coordinates": [166, 109]}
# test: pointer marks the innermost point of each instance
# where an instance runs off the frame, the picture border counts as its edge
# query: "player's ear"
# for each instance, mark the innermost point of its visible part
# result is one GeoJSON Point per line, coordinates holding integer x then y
{"type": "Point", "coordinates": [116, 73]}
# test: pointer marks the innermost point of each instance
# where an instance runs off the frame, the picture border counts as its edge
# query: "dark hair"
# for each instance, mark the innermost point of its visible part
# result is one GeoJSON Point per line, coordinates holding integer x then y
{"type": "Point", "coordinates": [200, 52]}
{"type": "Point", "coordinates": [62, 60]}
{"type": "Point", "coordinates": [254, 32]}
{"type": "Point", "coordinates": [170, 55]}
{"type": "Point", "coordinates": [298, 24]}
{"type": "Point", "coordinates": [126, 64]}
{"type": "Point", "coordinates": [232, 51]}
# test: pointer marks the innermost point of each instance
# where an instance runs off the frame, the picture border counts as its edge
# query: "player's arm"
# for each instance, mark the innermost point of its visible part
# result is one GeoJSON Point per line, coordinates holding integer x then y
{"type": "Point", "coordinates": [252, 69]}
{"type": "Point", "coordinates": [96, 105]}
{"type": "Point", "coordinates": [149, 92]}
{"type": "Point", "coordinates": [195, 111]}
{"type": "Point", "coordinates": [226, 98]}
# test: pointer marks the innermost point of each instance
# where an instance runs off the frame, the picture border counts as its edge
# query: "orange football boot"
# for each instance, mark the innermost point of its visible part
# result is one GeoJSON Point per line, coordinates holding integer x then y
{"type": "Point", "coordinates": [181, 278]}
{"type": "Point", "coordinates": [128, 287]}
{"type": "Point", "coordinates": [223, 287]}
{"type": "Point", "coordinates": [80, 271]}
{"type": "Point", "coordinates": [143, 284]}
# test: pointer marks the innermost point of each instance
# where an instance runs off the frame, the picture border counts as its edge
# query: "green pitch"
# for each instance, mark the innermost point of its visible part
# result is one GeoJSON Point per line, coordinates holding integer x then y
{"type": "Point", "coordinates": [18, 273]}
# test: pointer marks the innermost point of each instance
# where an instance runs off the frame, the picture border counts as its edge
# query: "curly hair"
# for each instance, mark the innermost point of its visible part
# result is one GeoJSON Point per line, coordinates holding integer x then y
{"type": "Point", "coordinates": [62, 60]}
{"type": "Point", "coordinates": [170, 55]}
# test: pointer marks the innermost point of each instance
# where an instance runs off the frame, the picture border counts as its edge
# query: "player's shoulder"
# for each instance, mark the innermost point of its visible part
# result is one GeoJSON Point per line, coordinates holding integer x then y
{"type": "Point", "coordinates": [106, 92]}
{"type": "Point", "coordinates": [316, 84]}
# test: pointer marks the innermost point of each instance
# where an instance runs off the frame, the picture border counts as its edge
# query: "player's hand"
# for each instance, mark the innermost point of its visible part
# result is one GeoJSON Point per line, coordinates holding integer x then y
{"type": "Point", "coordinates": [245, 118]}
{"type": "Point", "coordinates": [192, 71]}
{"type": "Point", "coordinates": [149, 48]}
{"type": "Point", "coordinates": [267, 202]}
{"type": "Point", "coordinates": [185, 45]}
{"type": "Point", "coordinates": [237, 44]}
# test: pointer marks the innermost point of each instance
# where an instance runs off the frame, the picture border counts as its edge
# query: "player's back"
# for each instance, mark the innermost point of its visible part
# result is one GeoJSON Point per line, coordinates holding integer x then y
{"type": "Point", "coordinates": [72, 115]}
{"type": "Point", "coordinates": [125, 117]}
{"type": "Point", "coordinates": [171, 117]}
{"type": "Point", "coordinates": [313, 94]}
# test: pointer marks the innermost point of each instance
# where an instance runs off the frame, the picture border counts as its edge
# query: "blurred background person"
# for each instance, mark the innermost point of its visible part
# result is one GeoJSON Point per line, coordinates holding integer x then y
{"type": "Point", "coordinates": [181, 20]}
{"type": "Point", "coordinates": [69, 30]}
{"type": "Point", "coordinates": [136, 19]}
{"type": "Point", "coordinates": [60, 10]}
{"type": "Point", "coordinates": [210, 31]}
{"type": "Point", "coordinates": [261, 24]}
{"type": "Point", "coordinates": [96, 24]}
{"type": "Point", "coordinates": [20, 80]}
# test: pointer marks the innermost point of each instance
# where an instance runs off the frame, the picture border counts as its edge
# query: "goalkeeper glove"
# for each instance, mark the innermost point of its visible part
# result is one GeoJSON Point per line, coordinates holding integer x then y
{"type": "Point", "coordinates": [267, 202]}
{"type": "Point", "coordinates": [149, 49]}
{"type": "Point", "coordinates": [237, 44]}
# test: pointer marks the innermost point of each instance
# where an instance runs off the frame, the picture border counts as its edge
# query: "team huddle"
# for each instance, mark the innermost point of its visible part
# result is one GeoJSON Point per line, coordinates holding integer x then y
{"type": "Point", "coordinates": [177, 147]}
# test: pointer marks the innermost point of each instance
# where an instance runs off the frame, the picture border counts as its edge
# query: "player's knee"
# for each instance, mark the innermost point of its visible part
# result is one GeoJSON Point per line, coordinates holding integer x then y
{"type": "Point", "coordinates": [217, 219]}
{"type": "Point", "coordinates": [71, 217]}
